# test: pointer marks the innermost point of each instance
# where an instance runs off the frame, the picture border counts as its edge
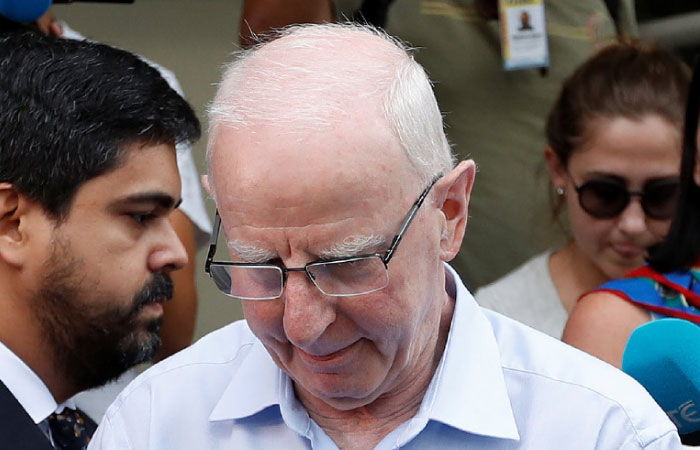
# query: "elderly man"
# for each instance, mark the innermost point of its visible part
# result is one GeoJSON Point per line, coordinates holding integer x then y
{"type": "Point", "coordinates": [341, 204]}
{"type": "Point", "coordinates": [88, 178]}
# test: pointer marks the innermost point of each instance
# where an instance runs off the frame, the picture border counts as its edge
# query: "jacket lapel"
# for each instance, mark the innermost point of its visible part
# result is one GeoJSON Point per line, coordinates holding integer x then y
{"type": "Point", "coordinates": [17, 430]}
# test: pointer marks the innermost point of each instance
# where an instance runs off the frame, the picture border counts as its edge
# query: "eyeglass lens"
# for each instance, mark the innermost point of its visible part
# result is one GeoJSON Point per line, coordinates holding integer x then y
{"type": "Point", "coordinates": [606, 198]}
{"type": "Point", "coordinates": [354, 276]}
{"type": "Point", "coordinates": [248, 282]}
{"type": "Point", "coordinates": [340, 277]}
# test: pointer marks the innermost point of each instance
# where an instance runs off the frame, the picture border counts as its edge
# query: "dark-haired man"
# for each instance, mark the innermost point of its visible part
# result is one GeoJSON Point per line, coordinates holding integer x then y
{"type": "Point", "coordinates": [88, 178]}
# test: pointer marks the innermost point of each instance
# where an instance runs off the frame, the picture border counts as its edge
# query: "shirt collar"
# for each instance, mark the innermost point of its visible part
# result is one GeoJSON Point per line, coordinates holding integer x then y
{"type": "Point", "coordinates": [26, 386]}
{"type": "Point", "coordinates": [253, 387]}
{"type": "Point", "coordinates": [467, 391]}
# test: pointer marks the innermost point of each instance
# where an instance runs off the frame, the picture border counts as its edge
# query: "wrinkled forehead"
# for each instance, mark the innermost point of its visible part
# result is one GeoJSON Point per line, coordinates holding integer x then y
{"type": "Point", "coordinates": [352, 167]}
{"type": "Point", "coordinates": [306, 126]}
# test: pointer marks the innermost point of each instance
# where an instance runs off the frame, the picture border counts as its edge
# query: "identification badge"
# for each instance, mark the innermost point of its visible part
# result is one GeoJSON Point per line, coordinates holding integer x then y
{"type": "Point", "coordinates": [523, 34]}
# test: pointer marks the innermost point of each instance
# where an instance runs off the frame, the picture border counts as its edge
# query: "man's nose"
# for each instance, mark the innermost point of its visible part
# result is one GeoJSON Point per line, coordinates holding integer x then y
{"type": "Point", "coordinates": [169, 253]}
{"type": "Point", "coordinates": [307, 311]}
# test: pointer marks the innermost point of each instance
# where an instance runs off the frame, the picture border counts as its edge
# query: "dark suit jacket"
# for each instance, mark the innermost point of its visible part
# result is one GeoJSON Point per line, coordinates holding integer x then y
{"type": "Point", "coordinates": [17, 430]}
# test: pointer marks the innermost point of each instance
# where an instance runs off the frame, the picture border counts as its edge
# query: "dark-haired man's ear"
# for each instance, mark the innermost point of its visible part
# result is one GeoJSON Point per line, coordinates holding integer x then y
{"type": "Point", "coordinates": [453, 192]}
{"type": "Point", "coordinates": [12, 233]}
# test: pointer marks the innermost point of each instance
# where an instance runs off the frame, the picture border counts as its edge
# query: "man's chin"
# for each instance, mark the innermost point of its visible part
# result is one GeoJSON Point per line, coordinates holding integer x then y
{"type": "Point", "coordinates": [148, 328]}
{"type": "Point", "coordinates": [142, 345]}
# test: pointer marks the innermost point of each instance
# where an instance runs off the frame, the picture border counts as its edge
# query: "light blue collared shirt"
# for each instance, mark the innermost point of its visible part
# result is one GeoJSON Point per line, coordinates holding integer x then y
{"type": "Point", "coordinates": [499, 385]}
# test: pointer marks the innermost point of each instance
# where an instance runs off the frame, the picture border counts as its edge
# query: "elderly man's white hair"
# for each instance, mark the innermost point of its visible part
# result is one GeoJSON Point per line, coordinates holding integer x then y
{"type": "Point", "coordinates": [302, 80]}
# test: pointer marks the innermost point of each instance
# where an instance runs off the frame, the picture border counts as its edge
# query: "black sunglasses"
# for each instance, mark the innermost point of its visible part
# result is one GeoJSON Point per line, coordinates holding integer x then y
{"type": "Point", "coordinates": [605, 198]}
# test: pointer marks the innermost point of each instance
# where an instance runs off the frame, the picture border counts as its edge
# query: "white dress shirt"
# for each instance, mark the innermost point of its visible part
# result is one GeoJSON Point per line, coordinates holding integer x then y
{"type": "Point", "coordinates": [29, 390]}
{"type": "Point", "coordinates": [499, 385]}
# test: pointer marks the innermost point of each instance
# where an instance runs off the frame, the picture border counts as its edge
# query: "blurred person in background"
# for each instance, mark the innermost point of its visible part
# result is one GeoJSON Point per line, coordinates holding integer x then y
{"type": "Point", "coordinates": [669, 286]}
{"type": "Point", "coordinates": [615, 128]}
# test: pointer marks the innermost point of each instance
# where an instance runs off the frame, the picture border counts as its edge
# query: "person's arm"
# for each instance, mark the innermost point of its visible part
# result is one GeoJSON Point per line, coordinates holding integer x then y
{"type": "Point", "coordinates": [260, 16]}
{"type": "Point", "coordinates": [601, 324]}
{"type": "Point", "coordinates": [180, 313]}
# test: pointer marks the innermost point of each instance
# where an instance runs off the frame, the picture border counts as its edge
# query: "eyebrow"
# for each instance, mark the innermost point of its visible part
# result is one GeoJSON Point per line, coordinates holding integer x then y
{"type": "Point", "coordinates": [250, 253]}
{"type": "Point", "coordinates": [158, 198]}
{"type": "Point", "coordinates": [350, 246]}
{"type": "Point", "coordinates": [353, 245]}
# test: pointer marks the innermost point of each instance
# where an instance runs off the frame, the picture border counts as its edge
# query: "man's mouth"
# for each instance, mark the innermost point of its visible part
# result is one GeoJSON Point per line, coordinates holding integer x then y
{"type": "Point", "coordinates": [329, 360]}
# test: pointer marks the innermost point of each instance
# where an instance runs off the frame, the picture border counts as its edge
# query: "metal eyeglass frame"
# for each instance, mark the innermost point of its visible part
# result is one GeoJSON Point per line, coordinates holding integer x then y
{"type": "Point", "coordinates": [385, 258]}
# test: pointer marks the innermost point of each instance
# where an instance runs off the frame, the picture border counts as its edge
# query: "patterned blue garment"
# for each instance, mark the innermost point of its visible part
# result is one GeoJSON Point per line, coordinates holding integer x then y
{"type": "Point", "coordinates": [675, 294]}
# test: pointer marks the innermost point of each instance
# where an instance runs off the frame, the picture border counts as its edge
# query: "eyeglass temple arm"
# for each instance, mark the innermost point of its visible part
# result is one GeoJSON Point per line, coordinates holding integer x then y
{"type": "Point", "coordinates": [212, 241]}
{"type": "Point", "coordinates": [409, 218]}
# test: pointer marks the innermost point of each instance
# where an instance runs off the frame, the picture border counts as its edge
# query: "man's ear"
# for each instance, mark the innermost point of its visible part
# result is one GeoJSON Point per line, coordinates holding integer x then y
{"type": "Point", "coordinates": [14, 211]}
{"type": "Point", "coordinates": [557, 170]}
{"type": "Point", "coordinates": [453, 192]}
{"type": "Point", "coordinates": [10, 235]}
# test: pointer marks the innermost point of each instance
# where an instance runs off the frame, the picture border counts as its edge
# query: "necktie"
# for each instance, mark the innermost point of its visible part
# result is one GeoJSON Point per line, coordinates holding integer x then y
{"type": "Point", "coordinates": [71, 429]}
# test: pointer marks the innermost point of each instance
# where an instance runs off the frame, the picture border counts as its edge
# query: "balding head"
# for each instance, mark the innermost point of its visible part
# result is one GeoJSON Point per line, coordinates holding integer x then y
{"type": "Point", "coordinates": [312, 78]}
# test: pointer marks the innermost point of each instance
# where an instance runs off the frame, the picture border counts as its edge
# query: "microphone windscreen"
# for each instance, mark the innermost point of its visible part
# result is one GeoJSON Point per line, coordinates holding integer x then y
{"type": "Point", "coordinates": [23, 10]}
{"type": "Point", "coordinates": [664, 356]}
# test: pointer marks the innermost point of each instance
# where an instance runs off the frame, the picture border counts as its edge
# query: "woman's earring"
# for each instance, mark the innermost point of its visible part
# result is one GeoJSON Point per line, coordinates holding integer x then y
{"type": "Point", "coordinates": [560, 192]}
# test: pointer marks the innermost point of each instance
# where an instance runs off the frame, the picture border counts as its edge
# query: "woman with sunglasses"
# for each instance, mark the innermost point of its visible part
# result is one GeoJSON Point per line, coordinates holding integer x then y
{"type": "Point", "coordinates": [669, 286]}
{"type": "Point", "coordinates": [613, 155]}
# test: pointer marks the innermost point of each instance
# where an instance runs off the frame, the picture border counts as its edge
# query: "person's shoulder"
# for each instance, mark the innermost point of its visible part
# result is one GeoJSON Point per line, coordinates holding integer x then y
{"type": "Point", "coordinates": [522, 278]}
{"type": "Point", "coordinates": [528, 295]}
{"type": "Point", "coordinates": [214, 357]}
{"type": "Point", "coordinates": [528, 351]}
{"type": "Point", "coordinates": [218, 347]}
{"type": "Point", "coordinates": [601, 323]}
{"type": "Point", "coordinates": [170, 404]}
{"type": "Point", "coordinates": [604, 308]}
{"type": "Point", "coordinates": [545, 371]}
{"type": "Point", "coordinates": [599, 306]}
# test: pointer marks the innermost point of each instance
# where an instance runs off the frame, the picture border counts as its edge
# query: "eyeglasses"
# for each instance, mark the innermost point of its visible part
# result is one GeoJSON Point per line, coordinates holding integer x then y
{"type": "Point", "coordinates": [605, 198]}
{"type": "Point", "coordinates": [341, 277]}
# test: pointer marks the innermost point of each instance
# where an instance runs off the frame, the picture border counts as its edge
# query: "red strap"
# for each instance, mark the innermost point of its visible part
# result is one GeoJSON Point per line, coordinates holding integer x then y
{"type": "Point", "coordinates": [647, 272]}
